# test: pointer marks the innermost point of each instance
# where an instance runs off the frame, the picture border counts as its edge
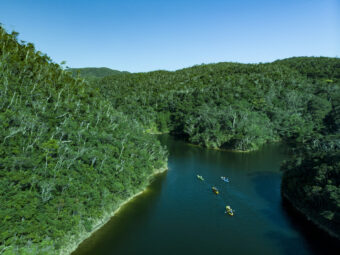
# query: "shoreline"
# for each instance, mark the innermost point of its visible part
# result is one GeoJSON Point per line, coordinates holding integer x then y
{"type": "Point", "coordinates": [220, 149]}
{"type": "Point", "coordinates": [213, 148]}
{"type": "Point", "coordinates": [311, 219]}
{"type": "Point", "coordinates": [76, 242]}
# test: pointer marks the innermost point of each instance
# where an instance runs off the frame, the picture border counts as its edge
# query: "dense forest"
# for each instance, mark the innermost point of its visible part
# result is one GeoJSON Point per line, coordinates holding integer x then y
{"type": "Point", "coordinates": [72, 149]}
{"type": "Point", "coordinates": [93, 72]}
{"type": "Point", "coordinates": [229, 105]}
{"type": "Point", "coordinates": [67, 157]}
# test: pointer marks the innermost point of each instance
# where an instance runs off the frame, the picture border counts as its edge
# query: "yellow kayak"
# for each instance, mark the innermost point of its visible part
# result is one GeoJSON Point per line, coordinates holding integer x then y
{"type": "Point", "coordinates": [229, 210]}
{"type": "Point", "coordinates": [215, 190]}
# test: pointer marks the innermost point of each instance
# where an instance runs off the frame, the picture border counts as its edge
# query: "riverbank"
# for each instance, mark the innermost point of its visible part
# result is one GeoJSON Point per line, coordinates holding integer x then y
{"type": "Point", "coordinates": [74, 242]}
{"type": "Point", "coordinates": [224, 149]}
{"type": "Point", "coordinates": [309, 217]}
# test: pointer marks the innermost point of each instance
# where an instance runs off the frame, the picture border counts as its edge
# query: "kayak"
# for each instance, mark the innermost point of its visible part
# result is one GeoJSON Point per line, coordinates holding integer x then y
{"type": "Point", "coordinates": [200, 177]}
{"type": "Point", "coordinates": [224, 179]}
{"type": "Point", "coordinates": [229, 210]}
{"type": "Point", "coordinates": [215, 190]}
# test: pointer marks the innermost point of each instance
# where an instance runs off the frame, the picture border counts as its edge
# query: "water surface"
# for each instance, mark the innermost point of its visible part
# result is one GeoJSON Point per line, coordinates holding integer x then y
{"type": "Point", "coordinates": [179, 214]}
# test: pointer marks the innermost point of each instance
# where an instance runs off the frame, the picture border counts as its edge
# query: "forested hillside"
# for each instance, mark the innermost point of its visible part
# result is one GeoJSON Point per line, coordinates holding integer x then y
{"type": "Point", "coordinates": [314, 68]}
{"type": "Point", "coordinates": [93, 72]}
{"type": "Point", "coordinates": [67, 157]}
{"type": "Point", "coordinates": [229, 105]}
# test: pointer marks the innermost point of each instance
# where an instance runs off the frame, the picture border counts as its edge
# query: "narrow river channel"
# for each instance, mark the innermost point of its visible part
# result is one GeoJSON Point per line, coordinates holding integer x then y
{"type": "Point", "coordinates": [179, 214]}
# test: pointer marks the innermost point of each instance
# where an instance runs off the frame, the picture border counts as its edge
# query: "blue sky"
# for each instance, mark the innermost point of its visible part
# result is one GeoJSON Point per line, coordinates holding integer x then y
{"type": "Point", "coordinates": [147, 35]}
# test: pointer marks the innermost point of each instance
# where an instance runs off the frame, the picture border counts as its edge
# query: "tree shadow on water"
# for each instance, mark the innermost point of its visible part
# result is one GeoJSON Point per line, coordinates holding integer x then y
{"type": "Point", "coordinates": [267, 187]}
{"type": "Point", "coordinates": [319, 242]}
{"type": "Point", "coordinates": [295, 235]}
{"type": "Point", "coordinates": [288, 245]}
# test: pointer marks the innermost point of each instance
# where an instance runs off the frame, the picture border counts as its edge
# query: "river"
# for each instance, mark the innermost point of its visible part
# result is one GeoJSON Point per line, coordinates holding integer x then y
{"type": "Point", "coordinates": [179, 214]}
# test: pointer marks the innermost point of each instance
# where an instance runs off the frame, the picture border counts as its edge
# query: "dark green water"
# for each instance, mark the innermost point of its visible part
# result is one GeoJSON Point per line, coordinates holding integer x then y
{"type": "Point", "coordinates": [178, 214]}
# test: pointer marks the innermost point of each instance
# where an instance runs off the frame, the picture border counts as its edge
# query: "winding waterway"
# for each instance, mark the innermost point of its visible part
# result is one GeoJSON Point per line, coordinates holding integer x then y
{"type": "Point", "coordinates": [179, 214]}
